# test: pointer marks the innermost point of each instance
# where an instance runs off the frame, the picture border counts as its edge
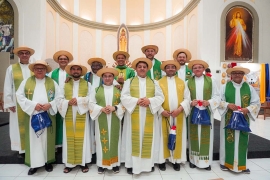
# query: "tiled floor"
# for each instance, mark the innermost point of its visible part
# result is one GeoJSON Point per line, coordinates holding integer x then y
{"type": "Point", "coordinates": [260, 168]}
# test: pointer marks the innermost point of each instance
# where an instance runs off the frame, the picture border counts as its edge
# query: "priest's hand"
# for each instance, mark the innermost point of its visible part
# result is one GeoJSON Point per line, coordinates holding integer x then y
{"type": "Point", "coordinates": [72, 102]}
{"type": "Point", "coordinates": [111, 108]}
{"type": "Point", "coordinates": [176, 112]}
{"type": "Point", "coordinates": [12, 109]}
{"type": "Point", "coordinates": [205, 103]}
{"type": "Point", "coordinates": [118, 87]}
{"type": "Point", "coordinates": [38, 107]}
{"type": "Point", "coordinates": [166, 113]}
{"type": "Point", "coordinates": [144, 102]}
{"type": "Point", "coordinates": [120, 80]}
{"type": "Point", "coordinates": [244, 111]}
{"type": "Point", "coordinates": [68, 79]}
{"type": "Point", "coordinates": [46, 107]}
{"type": "Point", "coordinates": [194, 102]}
{"type": "Point", "coordinates": [232, 107]}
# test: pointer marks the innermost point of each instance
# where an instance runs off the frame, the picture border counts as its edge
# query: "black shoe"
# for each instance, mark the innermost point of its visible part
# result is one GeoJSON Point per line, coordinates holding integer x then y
{"type": "Point", "coordinates": [101, 170]}
{"type": "Point", "coordinates": [223, 168]}
{"type": "Point", "coordinates": [153, 169]}
{"type": "Point", "coordinates": [32, 171]}
{"type": "Point", "coordinates": [176, 167]}
{"type": "Point", "coordinates": [116, 169]}
{"type": "Point", "coordinates": [187, 153]}
{"type": "Point", "coordinates": [208, 168]}
{"type": "Point", "coordinates": [48, 167]}
{"type": "Point", "coordinates": [247, 171]}
{"type": "Point", "coordinates": [129, 171]}
{"type": "Point", "coordinates": [191, 165]}
{"type": "Point", "coordinates": [162, 167]}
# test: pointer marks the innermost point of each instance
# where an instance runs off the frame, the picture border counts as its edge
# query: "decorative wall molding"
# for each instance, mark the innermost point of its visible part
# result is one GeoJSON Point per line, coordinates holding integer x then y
{"type": "Point", "coordinates": [132, 28]}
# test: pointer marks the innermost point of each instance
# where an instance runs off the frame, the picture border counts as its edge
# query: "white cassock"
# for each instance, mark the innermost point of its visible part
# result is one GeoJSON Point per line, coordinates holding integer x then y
{"type": "Point", "coordinates": [253, 108]}
{"type": "Point", "coordinates": [140, 164]}
{"type": "Point", "coordinates": [81, 108]}
{"type": "Point", "coordinates": [38, 145]}
{"type": "Point", "coordinates": [174, 105]}
{"type": "Point", "coordinates": [95, 113]}
{"type": "Point", "coordinates": [182, 73]}
{"type": "Point", "coordinates": [61, 78]}
{"type": "Point", "coordinates": [214, 103]}
{"type": "Point", "coordinates": [10, 101]}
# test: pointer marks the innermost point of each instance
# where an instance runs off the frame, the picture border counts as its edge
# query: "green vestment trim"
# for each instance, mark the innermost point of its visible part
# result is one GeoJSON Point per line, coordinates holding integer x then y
{"type": "Point", "coordinates": [230, 134]}
{"type": "Point", "coordinates": [156, 70]}
{"type": "Point", "coordinates": [200, 149]}
{"type": "Point", "coordinates": [109, 147]}
{"type": "Point", "coordinates": [135, 120]}
{"type": "Point", "coordinates": [29, 92]}
{"type": "Point", "coordinates": [126, 72]}
{"type": "Point", "coordinates": [75, 133]}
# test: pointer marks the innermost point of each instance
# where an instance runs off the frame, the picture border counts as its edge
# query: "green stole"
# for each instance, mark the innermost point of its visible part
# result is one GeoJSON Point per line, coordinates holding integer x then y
{"type": "Point", "coordinates": [18, 78]}
{"type": "Point", "coordinates": [75, 135]}
{"type": "Point", "coordinates": [125, 72]}
{"type": "Point", "coordinates": [135, 120]}
{"type": "Point", "coordinates": [229, 133]}
{"type": "Point", "coordinates": [180, 87]}
{"type": "Point", "coordinates": [188, 73]}
{"type": "Point", "coordinates": [55, 75]}
{"type": "Point", "coordinates": [156, 70]}
{"type": "Point", "coordinates": [109, 147]}
{"type": "Point", "coordinates": [29, 91]}
{"type": "Point", "coordinates": [201, 150]}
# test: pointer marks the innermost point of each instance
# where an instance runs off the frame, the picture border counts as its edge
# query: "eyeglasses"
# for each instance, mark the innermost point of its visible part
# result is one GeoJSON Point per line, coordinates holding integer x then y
{"type": "Point", "coordinates": [198, 68]}
{"type": "Point", "coordinates": [39, 69]}
{"type": "Point", "coordinates": [239, 74]}
{"type": "Point", "coordinates": [24, 53]}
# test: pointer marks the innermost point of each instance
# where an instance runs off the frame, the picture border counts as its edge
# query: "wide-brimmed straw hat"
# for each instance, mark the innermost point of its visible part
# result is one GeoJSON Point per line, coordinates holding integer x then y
{"type": "Point", "coordinates": [96, 59]}
{"type": "Point", "coordinates": [182, 50]}
{"type": "Point", "coordinates": [115, 54]}
{"type": "Point", "coordinates": [194, 62]}
{"type": "Point", "coordinates": [237, 68]}
{"type": "Point", "coordinates": [150, 47]}
{"type": "Point", "coordinates": [173, 62]}
{"type": "Point", "coordinates": [23, 48]}
{"type": "Point", "coordinates": [107, 70]}
{"type": "Point", "coordinates": [40, 62]}
{"type": "Point", "coordinates": [68, 67]}
{"type": "Point", "coordinates": [146, 60]}
{"type": "Point", "coordinates": [62, 53]}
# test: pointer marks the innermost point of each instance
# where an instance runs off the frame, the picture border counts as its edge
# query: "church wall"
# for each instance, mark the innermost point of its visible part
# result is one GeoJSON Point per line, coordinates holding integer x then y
{"type": "Point", "coordinates": [111, 11]}
{"type": "Point", "coordinates": [157, 10]}
{"type": "Point", "coordinates": [135, 12]}
{"type": "Point", "coordinates": [87, 9]}
{"type": "Point", "coordinates": [177, 6]}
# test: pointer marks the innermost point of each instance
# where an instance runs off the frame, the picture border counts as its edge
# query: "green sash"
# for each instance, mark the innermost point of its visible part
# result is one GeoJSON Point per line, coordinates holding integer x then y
{"type": "Point", "coordinates": [229, 133]}
{"type": "Point", "coordinates": [135, 120]}
{"type": "Point", "coordinates": [180, 87]}
{"type": "Point", "coordinates": [156, 70]}
{"type": "Point", "coordinates": [18, 78]}
{"type": "Point", "coordinates": [55, 75]}
{"type": "Point", "coordinates": [29, 91]}
{"type": "Point", "coordinates": [188, 73]}
{"type": "Point", "coordinates": [200, 149]}
{"type": "Point", "coordinates": [109, 147]}
{"type": "Point", "coordinates": [75, 135]}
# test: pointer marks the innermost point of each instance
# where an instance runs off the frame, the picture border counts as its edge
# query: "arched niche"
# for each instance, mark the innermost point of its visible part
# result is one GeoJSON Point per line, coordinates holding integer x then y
{"type": "Point", "coordinates": [255, 39]}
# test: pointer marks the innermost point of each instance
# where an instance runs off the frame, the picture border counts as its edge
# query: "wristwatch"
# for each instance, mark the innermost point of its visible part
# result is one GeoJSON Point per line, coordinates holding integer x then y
{"type": "Point", "coordinates": [115, 108]}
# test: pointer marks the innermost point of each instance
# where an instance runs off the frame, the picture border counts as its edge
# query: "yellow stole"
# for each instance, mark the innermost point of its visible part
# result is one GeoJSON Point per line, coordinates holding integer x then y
{"type": "Point", "coordinates": [135, 120]}
{"type": "Point", "coordinates": [180, 87]}
{"type": "Point", "coordinates": [75, 136]}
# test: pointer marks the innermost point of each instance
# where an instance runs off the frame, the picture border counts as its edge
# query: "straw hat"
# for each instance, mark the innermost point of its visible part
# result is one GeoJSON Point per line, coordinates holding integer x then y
{"type": "Point", "coordinates": [173, 62]}
{"type": "Point", "coordinates": [68, 67]}
{"type": "Point", "coordinates": [237, 68]}
{"type": "Point", "coordinates": [62, 53]}
{"type": "Point", "coordinates": [194, 62]}
{"type": "Point", "coordinates": [23, 48]}
{"type": "Point", "coordinates": [40, 62]}
{"type": "Point", "coordinates": [182, 50]}
{"type": "Point", "coordinates": [96, 59]}
{"type": "Point", "coordinates": [107, 70]}
{"type": "Point", "coordinates": [150, 47]}
{"type": "Point", "coordinates": [146, 60]}
{"type": "Point", "coordinates": [115, 54]}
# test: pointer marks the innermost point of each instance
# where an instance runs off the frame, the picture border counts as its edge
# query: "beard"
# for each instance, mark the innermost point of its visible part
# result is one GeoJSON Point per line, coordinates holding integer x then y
{"type": "Point", "coordinates": [76, 75]}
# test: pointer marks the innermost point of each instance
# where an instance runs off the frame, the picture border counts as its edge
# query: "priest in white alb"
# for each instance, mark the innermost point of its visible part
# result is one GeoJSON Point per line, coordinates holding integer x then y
{"type": "Point", "coordinates": [142, 97]}
{"type": "Point", "coordinates": [73, 107]}
{"type": "Point", "coordinates": [173, 112]}
{"type": "Point", "coordinates": [38, 95]}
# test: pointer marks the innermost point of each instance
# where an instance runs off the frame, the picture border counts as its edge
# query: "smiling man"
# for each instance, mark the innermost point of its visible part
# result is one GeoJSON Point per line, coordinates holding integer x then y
{"type": "Point", "coordinates": [183, 56]}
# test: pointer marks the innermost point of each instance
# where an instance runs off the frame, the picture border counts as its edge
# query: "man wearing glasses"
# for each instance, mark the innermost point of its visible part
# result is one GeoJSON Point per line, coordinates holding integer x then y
{"type": "Point", "coordinates": [204, 97]}
{"type": "Point", "coordinates": [236, 95]}
{"type": "Point", "coordinates": [15, 74]}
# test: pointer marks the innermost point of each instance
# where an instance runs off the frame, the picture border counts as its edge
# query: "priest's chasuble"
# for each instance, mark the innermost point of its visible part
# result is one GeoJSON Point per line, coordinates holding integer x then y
{"type": "Point", "coordinates": [108, 126]}
{"type": "Point", "coordinates": [155, 71]}
{"type": "Point", "coordinates": [15, 74]}
{"type": "Point", "coordinates": [38, 150]}
{"type": "Point", "coordinates": [176, 93]}
{"type": "Point", "coordinates": [141, 135]}
{"type": "Point", "coordinates": [234, 143]}
{"type": "Point", "coordinates": [201, 136]}
{"type": "Point", "coordinates": [76, 126]}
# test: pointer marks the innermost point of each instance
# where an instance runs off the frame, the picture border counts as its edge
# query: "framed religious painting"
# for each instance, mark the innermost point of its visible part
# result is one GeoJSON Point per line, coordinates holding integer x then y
{"type": "Point", "coordinates": [239, 34]}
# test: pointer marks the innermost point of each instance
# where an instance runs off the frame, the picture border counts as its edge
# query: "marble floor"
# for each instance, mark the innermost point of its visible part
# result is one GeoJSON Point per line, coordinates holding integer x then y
{"type": "Point", "coordinates": [260, 168]}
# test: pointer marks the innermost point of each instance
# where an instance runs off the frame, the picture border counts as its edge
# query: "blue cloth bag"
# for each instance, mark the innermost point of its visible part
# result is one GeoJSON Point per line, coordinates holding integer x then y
{"type": "Point", "coordinates": [40, 121]}
{"type": "Point", "coordinates": [172, 138]}
{"type": "Point", "coordinates": [238, 122]}
{"type": "Point", "coordinates": [200, 116]}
